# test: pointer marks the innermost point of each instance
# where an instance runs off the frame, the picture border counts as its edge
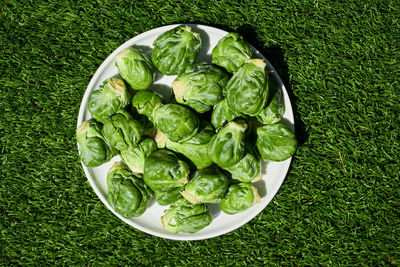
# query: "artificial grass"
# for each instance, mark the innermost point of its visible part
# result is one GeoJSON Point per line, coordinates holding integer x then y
{"type": "Point", "coordinates": [339, 204]}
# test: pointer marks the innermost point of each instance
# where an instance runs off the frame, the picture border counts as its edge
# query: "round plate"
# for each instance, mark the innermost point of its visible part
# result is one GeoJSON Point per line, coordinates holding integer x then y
{"type": "Point", "coordinates": [149, 222]}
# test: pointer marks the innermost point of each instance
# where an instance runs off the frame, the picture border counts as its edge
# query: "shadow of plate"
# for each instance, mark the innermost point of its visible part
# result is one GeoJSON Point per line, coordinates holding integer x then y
{"type": "Point", "coordinates": [205, 45]}
{"type": "Point", "coordinates": [214, 209]}
{"type": "Point", "coordinates": [162, 89]}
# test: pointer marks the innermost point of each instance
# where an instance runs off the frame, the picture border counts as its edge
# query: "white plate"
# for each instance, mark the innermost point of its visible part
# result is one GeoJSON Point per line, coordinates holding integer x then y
{"type": "Point", "coordinates": [150, 222]}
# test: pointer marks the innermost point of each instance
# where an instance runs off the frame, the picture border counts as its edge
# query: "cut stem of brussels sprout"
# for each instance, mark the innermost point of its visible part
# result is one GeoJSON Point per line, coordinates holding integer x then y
{"type": "Point", "coordinates": [163, 222]}
{"type": "Point", "coordinates": [179, 89]}
{"type": "Point", "coordinates": [161, 139]}
{"type": "Point", "coordinates": [121, 54]}
{"type": "Point", "coordinates": [256, 195]}
{"type": "Point", "coordinates": [259, 62]}
{"type": "Point", "coordinates": [191, 198]}
{"type": "Point", "coordinates": [115, 166]}
{"type": "Point", "coordinates": [118, 85]}
{"type": "Point", "coordinates": [82, 127]}
{"type": "Point", "coordinates": [240, 125]}
{"type": "Point", "coordinates": [159, 104]}
{"type": "Point", "coordinates": [258, 178]}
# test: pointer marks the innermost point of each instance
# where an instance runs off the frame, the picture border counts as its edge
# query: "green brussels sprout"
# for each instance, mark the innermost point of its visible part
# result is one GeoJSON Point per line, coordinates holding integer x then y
{"type": "Point", "coordinates": [135, 68]}
{"type": "Point", "coordinates": [176, 49]}
{"type": "Point", "coordinates": [200, 86]}
{"type": "Point", "coordinates": [93, 147]}
{"type": "Point", "coordinates": [135, 157]}
{"type": "Point", "coordinates": [247, 90]}
{"type": "Point", "coordinates": [239, 198]}
{"type": "Point", "coordinates": [276, 142]}
{"type": "Point", "coordinates": [145, 101]}
{"type": "Point", "coordinates": [248, 169]}
{"type": "Point", "coordinates": [231, 52]}
{"type": "Point", "coordinates": [275, 107]}
{"type": "Point", "coordinates": [164, 171]}
{"type": "Point", "coordinates": [127, 194]}
{"type": "Point", "coordinates": [167, 197]}
{"type": "Point", "coordinates": [196, 148]}
{"type": "Point", "coordinates": [183, 216]}
{"type": "Point", "coordinates": [111, 97]}
{"type": "Point", "coordinates": [122, 131]}
{"type": "Point", "coordinates": [222, 114]}
{"type": "Point", "coordinates": [226, 147]}
{"type": "Point", "coordinates": [206, 186]}
{"type": "Point", "coordinates": [177, 122]}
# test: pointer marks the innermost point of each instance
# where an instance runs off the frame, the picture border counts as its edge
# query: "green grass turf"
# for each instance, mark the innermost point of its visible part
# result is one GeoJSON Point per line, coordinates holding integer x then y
{"type": "Point", "coordinates": [339, 204]}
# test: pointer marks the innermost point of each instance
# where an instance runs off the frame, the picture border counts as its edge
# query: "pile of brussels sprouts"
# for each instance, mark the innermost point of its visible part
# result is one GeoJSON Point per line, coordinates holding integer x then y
{"type": "Point", "coordinates": [205, 146]}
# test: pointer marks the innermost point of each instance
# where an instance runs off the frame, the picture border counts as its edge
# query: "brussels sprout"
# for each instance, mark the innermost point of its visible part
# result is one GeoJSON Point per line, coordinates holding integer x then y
{"type": "Point", "coordinates": [135, 157]}
{"type": "Point", "coordinates": [231, 52]}
{"type": "Point", "coordinates": [240, 197]}
{"type": "Point", "coordinates": [145, 101]}
{"type": "Point", "coordinates": [176, 49]}
{"type": "Point", "coordinates": [275, 107]}
{"type": "Point", "coordinates": [206, 186]}
{"type": "Point", "coordinates": [135, 68]}
{"type": "Point", "coordinates": [222, 114]}
{"type": "Point", "coordinates": [276, 142]}
{"type": "Point", "coordinates": [196, 148]}
{"type": "Point", "coordinates": [248, 169]}
{"type": "Point", "coordinates": [164, 171]}
{"type": "Point", "coordinates": [111, 97]}
{"type": "Point", "coordinates": [93, 148]}
{"type": "Point", "coordinates": [167, 197]}
{"type": "Point", "coordinates": [247, 90]}
{"type": "Point", "coordinates": [183, 216]}
{"type": "Point", "coordinates": [127, 194]}
{"type": "Point", "coordinates": [122, 131]}
{"type": "Point", "coordinates": [226, 147]}
{"type": "Point", "coordinates": [177, 122]}
{"type": "Point", "coordinates": [200, 86]}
